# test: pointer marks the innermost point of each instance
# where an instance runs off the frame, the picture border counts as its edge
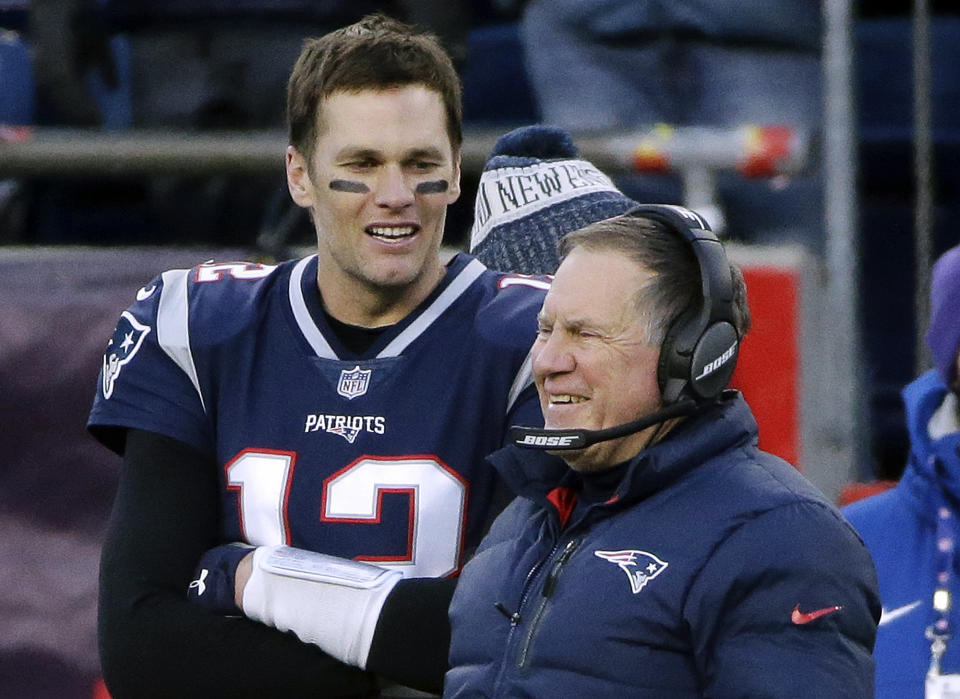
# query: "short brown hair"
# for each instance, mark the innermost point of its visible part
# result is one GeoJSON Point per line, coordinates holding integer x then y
{"type": "Point", "coordinates": [376, 53]}
{"type": "Point", "coordinates": [675, 285]}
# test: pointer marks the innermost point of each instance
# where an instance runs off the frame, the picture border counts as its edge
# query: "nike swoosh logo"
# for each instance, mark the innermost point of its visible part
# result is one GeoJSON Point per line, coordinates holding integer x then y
{"type": "Point", "coordinates": [146, 292]}
{"type": "Point", "coordinates": [888, 615]}
{"type": "Point", "coordinates": [798, 617]}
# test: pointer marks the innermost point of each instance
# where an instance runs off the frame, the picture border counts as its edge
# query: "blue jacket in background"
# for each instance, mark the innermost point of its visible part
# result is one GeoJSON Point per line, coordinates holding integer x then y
{"type": "Point", "coordinates": [713, 571]}
{"type": "Point", "coordinates": [899, 528]}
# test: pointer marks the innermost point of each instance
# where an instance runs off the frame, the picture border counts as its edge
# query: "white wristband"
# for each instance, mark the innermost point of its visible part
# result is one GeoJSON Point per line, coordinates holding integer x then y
{"type": "Point", "coordinates": [331, 602]}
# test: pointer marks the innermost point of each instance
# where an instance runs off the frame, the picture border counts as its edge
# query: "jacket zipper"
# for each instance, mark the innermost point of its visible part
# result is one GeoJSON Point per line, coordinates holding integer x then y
{"type": "Point", "coordinates": [514, 617]}
{"type": "Point", "coordinates": [546, 592]}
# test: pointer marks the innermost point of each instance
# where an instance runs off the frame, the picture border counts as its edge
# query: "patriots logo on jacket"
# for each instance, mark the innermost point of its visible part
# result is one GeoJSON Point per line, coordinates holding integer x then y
{"type": "Point", "coordinates": [640, 566]}
{"type": "Point", "coordinates": [353, 382]}
{"type": "Point", "coordinates": [123, 346]}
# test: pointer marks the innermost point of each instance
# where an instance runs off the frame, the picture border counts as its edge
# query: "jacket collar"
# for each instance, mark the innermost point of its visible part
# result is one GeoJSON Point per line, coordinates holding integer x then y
{"type": "Point", "coordinates": [934, 465]}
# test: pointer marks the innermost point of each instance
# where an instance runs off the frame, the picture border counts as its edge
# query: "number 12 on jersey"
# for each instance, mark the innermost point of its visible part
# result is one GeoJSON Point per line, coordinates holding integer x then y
{"type": "Point", "coordinates": [353, 495]}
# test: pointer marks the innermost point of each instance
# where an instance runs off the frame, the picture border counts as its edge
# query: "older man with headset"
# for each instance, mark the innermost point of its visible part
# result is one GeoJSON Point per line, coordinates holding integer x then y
{"type": "Point", "coordinates": [658, 552]}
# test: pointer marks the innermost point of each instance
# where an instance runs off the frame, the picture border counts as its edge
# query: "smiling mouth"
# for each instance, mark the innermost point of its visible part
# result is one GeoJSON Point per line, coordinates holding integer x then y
{"type": "Point", "coordinates": [566, 399]}
{"type": "Point", "coordinates": [392, 232]}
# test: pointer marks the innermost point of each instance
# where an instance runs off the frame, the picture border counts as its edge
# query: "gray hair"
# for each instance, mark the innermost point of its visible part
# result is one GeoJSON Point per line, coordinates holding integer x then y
{"type": "Point", "coordinates": [675, 283]}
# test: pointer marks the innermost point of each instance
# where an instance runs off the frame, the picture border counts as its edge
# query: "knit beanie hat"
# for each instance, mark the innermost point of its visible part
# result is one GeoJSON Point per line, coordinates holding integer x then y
{"type": "Point", "coordinates": [943, 335]}
{"type": "Point", "coordinates": [533, 191]}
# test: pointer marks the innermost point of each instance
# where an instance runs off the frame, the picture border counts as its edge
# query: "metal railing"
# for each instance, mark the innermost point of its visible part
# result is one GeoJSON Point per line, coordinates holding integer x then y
{"type": "Point", "coordinates": [755, 150]}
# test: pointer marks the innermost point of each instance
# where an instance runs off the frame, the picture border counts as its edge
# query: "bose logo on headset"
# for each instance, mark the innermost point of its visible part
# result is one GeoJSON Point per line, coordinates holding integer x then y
{"type": "Point", "coordinates": [718, 362]}
{"type": "Point", "coordinates": [539, 440]}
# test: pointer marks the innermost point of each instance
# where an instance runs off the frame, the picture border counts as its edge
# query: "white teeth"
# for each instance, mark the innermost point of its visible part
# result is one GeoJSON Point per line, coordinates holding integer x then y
{"type": "Point", "coordinates": [566, 398]}
{"type": "Point", "coordinates": [392, 232]}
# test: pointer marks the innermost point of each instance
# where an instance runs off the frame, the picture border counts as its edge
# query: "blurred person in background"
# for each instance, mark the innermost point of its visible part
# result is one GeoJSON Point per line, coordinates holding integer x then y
{"type": "Point", "coordinates": [912, 530]}
{"type": "Point", "coordinates": [628, 64]}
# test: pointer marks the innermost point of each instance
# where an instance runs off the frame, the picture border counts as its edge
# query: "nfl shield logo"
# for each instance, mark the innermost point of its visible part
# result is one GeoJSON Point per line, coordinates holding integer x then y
{"type": "Point", "coordinates": [353, 382]}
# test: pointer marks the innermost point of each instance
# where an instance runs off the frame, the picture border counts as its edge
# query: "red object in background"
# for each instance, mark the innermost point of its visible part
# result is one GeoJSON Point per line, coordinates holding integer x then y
{"type": "Point", "coordinates": [768, 368]}
{"type": "Point", "coordinates": [768, 149]}
{"type": "Point", "coordinates": [99, 690]}
{"type": "Point", "coordinates": [859, 491]}
{"type": "Point", "coordinates": [15, 134]}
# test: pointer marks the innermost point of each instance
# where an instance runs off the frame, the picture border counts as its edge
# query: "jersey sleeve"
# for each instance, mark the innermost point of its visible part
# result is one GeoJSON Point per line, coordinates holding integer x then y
{"type": "Point", "coordinates": [787, 602]}
{"type": "Point", "coordinates": [508, 325]}
{"type": "Point", "coordinates": [146, 378]}
{"type": "Point", "coordinates": [524, 411]}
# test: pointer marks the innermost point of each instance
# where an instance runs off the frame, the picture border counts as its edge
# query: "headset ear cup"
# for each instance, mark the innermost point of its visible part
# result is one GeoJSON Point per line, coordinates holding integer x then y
{"type": "Point", "coordinates": [713, 360]}
{"type": "Point", "coordinates": [699, 350]}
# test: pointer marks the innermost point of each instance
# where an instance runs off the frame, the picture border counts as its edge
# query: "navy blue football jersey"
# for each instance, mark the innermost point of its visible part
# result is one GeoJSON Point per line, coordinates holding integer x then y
{"type": "Point", "coordinates": [377, 457]}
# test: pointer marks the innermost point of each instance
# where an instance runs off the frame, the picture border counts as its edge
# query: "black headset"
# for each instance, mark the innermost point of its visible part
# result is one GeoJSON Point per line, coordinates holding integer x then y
{"type": "Point", "coordinates": [699, 351]}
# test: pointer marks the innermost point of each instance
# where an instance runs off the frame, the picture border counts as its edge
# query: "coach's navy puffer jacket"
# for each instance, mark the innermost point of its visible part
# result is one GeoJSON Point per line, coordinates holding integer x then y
{"type": "Point", "coordinates": [715, 570]}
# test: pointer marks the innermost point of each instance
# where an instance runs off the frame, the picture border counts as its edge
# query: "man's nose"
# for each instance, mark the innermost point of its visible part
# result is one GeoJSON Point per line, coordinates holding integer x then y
{"type": "Point", "coordinates": [552, 354]}
{"type": "Point", "coordinates": [394, 189]}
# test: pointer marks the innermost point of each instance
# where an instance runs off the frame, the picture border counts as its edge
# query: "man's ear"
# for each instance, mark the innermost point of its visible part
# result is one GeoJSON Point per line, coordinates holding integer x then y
{"type": "Point", "coordinates": [298, 178]}
{"type": "Point", "coordinates": [453, 192]}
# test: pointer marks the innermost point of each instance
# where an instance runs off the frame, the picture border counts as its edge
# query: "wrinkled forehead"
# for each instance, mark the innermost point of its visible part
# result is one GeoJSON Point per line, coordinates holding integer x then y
{"type": "Point", "coordinates": [596, 284]}
{"type": "Point", "coordinates": [608, 271]}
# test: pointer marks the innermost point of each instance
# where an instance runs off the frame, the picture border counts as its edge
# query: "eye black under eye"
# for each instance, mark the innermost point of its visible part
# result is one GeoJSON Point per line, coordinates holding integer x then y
{"type": "Point", "coordinates": [434, 187]}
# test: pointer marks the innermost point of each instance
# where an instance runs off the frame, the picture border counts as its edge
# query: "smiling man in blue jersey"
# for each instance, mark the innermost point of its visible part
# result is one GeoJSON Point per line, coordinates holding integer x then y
{"type": "Point", "coordinates": [912, 530]}
{"type": "Point", "coordinates": [382, 621]}
{"type": "Point", "coordinates": [341, 403]}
